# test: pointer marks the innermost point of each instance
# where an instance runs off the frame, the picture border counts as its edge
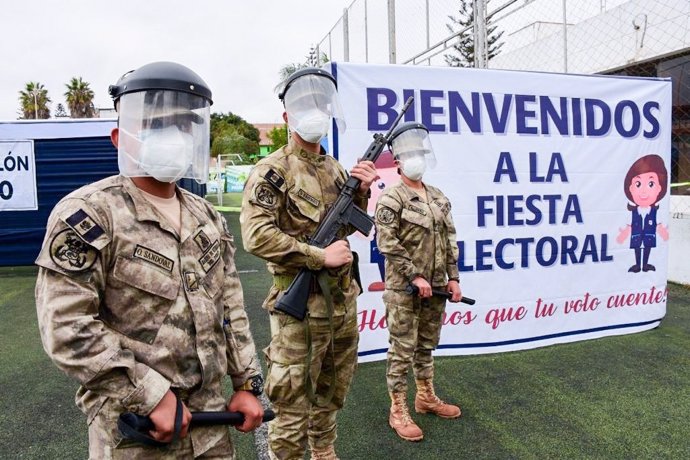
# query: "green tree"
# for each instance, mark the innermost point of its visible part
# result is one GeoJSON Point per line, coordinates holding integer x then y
{"type": "Point", "coordinates": [463, 55]}
{"type": "Point", "coordinates": [230, 133]}
{"type": "Point", "coordinates": [79, 99]}
{"type": "Point", "coordinates": [34, 100]}
{"type": "Point", "coordinates": [278, 137]}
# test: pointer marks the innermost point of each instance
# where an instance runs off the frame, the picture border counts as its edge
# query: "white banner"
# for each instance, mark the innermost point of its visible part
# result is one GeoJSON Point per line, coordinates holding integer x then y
{"type": "Point", "coordinates": [552, 207]}
{"type": "Point", "coordinates": [17, 176]}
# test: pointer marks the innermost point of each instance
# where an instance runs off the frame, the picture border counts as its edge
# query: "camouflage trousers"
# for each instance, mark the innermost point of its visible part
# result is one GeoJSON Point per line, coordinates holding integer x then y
{"type": "Point", "coordinates": [298, 421]}
{"type": "Point", "coordinates": [414, 329]}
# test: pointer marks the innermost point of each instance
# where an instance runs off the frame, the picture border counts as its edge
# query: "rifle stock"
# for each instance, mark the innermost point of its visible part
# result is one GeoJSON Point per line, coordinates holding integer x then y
{"type": "Point", "coordinates": [343, 213]}
{"type": "Point", "coordinates": [294, 300]}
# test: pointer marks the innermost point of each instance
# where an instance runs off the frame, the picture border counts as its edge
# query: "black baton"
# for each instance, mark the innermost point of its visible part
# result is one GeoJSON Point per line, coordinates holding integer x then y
{"type": "Point", "coordinates": [135, 427]}
{"type": "Point", "coordinates": [414, 290]}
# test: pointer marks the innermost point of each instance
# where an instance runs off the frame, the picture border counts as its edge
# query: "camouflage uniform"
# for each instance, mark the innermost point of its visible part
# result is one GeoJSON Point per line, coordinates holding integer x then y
{"type": "Point", "coordinates": [417, 237]}
{"type": "Point", "coordinates": [131, 309]}
{"type": "Point", "coordinates": [285, 198]}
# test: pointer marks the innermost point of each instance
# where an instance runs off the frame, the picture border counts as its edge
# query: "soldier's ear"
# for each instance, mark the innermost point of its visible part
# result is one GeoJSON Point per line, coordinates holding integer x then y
{"type": "Point", "coordinates": [285, 117]}
{"type": "Point", "coordinates": [115, 136]}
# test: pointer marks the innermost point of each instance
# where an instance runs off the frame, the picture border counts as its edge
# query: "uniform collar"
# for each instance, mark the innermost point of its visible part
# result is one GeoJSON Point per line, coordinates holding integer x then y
{"type": "Point", "coordinates": [314, 158]}
{"type": "Point", "coordinates": [411, 195]}
{"type": "Point", "coordinates": [145, 211]}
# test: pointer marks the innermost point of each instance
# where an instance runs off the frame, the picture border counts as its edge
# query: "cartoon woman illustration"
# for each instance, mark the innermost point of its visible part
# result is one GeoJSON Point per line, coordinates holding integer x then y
{"type": "Point", "coordinates": [645, 185]}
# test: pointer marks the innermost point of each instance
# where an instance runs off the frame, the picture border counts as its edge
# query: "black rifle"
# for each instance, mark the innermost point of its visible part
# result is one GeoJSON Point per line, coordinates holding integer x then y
{"type": "Point", "coordinates": [343, 213]}
{"type": "Point", "coordinates": [414, 290]}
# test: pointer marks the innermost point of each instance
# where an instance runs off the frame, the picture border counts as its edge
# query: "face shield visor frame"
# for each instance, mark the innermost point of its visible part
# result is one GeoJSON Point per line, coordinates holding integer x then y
{"type": "Point", "coordinates": [313, 93]}
{"type": "Point", "coordinates": [165, 121]}
{"type": "Point", "coordinates": [411, 143]}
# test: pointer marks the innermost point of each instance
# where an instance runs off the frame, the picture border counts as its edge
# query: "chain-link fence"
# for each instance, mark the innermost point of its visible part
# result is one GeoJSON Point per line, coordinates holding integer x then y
{"type": "Point", "coordinates": [649, 38]}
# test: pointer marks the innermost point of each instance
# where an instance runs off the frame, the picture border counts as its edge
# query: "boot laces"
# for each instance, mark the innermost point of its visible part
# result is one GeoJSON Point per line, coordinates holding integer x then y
{"type": "Point", "coordinates": [404, 411]}
{"type": "Point", "coordinates": [431, 394]}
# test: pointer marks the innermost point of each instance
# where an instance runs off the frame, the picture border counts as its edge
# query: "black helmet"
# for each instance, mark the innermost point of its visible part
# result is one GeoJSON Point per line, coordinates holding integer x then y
{"type": "Point", "coordinates": [160, 75]}
{"type": "Point", "coordinates": [301, 73]}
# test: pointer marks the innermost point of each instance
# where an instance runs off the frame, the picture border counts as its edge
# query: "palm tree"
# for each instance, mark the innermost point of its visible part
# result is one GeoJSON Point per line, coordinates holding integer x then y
{"type": "Point", "coordinates": [79, 99]}
{"type": "Point", "coordinates": [34, 101]}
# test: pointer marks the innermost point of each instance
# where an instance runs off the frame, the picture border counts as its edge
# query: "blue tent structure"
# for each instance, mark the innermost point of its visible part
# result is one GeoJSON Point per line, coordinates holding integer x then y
{"type": "Point", "coordinates": [68, 154]}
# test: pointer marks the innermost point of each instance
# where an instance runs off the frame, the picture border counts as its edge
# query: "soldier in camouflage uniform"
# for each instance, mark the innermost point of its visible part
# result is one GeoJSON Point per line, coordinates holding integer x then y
{"type": "Point", "coordinates": [415, 233]}
{"type": "Point", "coordinates": [286, 196]}
{"type": "Point", "coordinates": [137, 295]}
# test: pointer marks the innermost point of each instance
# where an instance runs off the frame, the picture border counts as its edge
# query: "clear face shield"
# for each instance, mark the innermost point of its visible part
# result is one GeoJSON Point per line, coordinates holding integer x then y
{"type": "Point", "coordinates": [311, 102]}
{"type": "Point", "coordinates": [165, 135]}
{"type": "Point", "coordinates": [412, 148]}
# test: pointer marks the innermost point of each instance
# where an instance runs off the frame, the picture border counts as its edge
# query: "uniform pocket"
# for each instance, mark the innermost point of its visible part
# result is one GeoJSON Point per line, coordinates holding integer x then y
{"type": "Point", "coordinates": [417, 219]}
{"type": "Point", "coordinates": [302, 212]}
{"type": "Point", "coordinates": [286, 382]}
{"type": "Point", "coordinates": [138, 298]}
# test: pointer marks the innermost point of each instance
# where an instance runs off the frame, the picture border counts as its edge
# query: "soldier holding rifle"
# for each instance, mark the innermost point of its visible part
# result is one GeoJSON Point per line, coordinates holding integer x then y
{"type": "Point", "coordinates": [312, 360]}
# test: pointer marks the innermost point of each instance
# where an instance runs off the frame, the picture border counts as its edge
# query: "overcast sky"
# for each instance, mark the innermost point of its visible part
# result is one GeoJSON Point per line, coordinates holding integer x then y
{"type": "Point", "coordinates": [237, 47]}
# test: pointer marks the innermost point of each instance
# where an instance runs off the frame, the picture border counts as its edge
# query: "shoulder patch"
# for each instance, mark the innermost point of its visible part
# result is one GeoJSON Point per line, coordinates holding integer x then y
{"type": "Point", "coordinates": [69, 252]}
{"type": "Point", "coordinates": [87, 229]}
{"type": "Point", "coordinates": [265, 195]}
{"type": "Point", "coordinates": [385, 215]}
{"type": "Point", "coordinates": [85, 226]}
{"type": "Point", "coordinates": [274, 179]}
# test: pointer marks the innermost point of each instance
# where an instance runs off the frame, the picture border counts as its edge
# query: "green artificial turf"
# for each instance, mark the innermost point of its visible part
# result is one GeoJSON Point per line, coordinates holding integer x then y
{"type": "Point", "coordinates": [621, 397]}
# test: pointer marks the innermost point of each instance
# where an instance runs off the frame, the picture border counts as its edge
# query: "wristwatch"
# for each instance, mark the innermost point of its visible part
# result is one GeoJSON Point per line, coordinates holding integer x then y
{"type": "Point", "coordinates": [254, 384]}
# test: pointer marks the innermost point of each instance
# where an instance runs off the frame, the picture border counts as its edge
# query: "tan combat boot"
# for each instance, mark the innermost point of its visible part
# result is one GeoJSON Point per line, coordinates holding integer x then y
{"type": "Point", "coordinates": [400, 419]}
{"type": "Point", "coordinates": [327, 453]}
{"type": "Point", "coordinates": [427, 401]}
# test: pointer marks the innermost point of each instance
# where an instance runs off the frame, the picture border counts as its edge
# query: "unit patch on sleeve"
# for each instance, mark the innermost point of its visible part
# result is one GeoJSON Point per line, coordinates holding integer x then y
{"type": "Point", "coordinates": [265, 196]}
{"type": "Point", "coordinates": [69, 252]}
{"type": "Point", "coordinates": [84, 225]}
{"type": "Point", "coordinates": [385, 215]}
{"type": "Point", "coordinates": [274, 179]}
{"type": "Point", "coordinates": [153, 257]}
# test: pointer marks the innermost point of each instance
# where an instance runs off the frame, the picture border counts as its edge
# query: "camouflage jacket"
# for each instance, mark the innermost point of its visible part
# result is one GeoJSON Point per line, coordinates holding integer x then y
{"type": "Point", "coordinates": [129, 308]}
{"type": "Point", "coordinates": [417, 237]}
{"type": "Point", "coordinates": [285, 197]}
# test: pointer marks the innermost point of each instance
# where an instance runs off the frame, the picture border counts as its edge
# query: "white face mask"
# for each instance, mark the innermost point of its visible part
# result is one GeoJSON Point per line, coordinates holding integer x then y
{"type": "Point", "coordinates": [166, 154]}
{"type": "Point", "coordinates": [312, 126]}
{"type": "Point", "coordinates": [414, 167]}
